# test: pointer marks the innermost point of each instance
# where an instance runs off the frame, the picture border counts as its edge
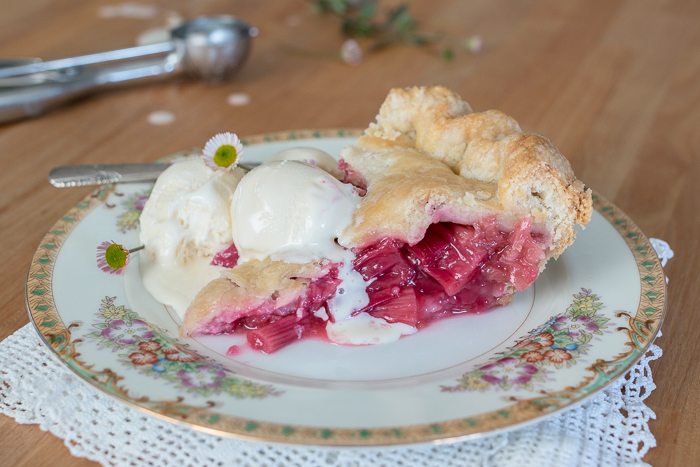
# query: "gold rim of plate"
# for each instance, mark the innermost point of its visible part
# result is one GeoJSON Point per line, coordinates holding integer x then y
{"type": "Point", "coordinates": [642, 328]}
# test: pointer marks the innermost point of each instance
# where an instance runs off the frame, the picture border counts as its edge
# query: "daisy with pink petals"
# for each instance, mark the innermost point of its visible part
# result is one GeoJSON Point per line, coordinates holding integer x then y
{"type": "Point", "coordinates": [112, 257]}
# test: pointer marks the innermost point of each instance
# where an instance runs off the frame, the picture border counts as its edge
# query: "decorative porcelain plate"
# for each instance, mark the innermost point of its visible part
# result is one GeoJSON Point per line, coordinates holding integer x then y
{"type": "Point", "coordinates": [587, 319]}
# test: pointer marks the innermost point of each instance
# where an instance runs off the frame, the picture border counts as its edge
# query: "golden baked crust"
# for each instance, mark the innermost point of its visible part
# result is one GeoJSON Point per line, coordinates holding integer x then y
{"type": "Point", "coordinates": [247, 287]}
{"type": "Point", "coordinates": [407, 191]}
{"type": "Point", "coordinates": [486, 166]}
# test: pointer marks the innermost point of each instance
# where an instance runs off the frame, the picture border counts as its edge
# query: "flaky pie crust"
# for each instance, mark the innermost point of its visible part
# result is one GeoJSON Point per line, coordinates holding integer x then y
{"type": "Point", "coordinates": [429, 158]}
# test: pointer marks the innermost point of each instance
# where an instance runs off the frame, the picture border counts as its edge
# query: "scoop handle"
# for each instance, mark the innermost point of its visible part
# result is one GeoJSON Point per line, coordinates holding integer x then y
{"type": "Point", "coordinates": [38, 66]}
{"type": "Point", "coordinates": [83, 175]}
{"type": "Point", "coordinates": [23, 101]}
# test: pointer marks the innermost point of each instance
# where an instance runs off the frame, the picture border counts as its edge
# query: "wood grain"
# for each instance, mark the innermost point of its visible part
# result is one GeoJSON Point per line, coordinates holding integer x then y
{"type": "Point", "coordinates": [615, 84]}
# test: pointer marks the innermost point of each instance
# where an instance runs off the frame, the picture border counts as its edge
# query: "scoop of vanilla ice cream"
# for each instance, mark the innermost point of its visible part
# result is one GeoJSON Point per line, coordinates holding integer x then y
{"type": "Point", "coordinates": [311, 156]}
{"type": "Point", "coordinates": [188, 212]}
{"type": "Point", "coordinates": [291, 211]}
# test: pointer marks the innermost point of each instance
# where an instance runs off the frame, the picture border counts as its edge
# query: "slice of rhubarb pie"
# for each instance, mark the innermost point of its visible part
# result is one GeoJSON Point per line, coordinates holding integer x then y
{"type": "Point", "coordinates": [441, 211]}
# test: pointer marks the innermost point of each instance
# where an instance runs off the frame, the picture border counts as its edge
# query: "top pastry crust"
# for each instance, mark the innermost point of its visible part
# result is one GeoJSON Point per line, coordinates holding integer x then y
{"type": "Point", "coordinates": [429, 159]}
{"type": "Point", "coordinates": [260, 286]}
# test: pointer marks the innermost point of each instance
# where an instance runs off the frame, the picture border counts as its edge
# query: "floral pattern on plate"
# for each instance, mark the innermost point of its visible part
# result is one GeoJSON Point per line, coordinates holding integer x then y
{"type": "Point", "coordinates": [558, 343]}
{"type": "Point", "coordinates": [151, 351]}
{"type": "Point", "coordinates": [133, 204]}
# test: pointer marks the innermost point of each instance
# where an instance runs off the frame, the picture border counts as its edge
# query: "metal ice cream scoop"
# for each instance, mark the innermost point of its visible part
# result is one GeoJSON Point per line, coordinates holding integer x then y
{"type": "Point", "coordinates": [211, 48]}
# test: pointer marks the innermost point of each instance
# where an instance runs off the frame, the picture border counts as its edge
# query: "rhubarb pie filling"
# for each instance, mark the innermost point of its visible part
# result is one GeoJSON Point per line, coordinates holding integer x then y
{"type": "Point", "coordinates": [435, 211]}
{"type": "Point", "coordinates": [454, 269]}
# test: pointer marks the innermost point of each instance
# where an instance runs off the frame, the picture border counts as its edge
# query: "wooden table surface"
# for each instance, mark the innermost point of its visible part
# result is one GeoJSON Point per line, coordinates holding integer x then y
{"type": "Point", "coordinates": [615, 85]}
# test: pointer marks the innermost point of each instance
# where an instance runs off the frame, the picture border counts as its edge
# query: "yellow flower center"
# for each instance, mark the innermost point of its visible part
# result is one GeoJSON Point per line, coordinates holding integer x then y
{"type": "Point", "coordinates": [225, 155]}
{"type": "Point", "coordinates": [116, 256]}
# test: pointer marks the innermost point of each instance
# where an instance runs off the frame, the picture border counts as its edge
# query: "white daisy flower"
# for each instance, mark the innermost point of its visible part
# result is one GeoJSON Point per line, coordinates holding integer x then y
{"type": "Point", "coordinates": [223, 151]}
{"type": "Point", "coordinates": [350, 52]}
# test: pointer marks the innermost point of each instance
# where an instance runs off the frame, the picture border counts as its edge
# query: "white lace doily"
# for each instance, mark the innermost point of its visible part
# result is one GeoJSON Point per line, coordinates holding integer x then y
{"type": "Point", "coordinates": [610, 428]}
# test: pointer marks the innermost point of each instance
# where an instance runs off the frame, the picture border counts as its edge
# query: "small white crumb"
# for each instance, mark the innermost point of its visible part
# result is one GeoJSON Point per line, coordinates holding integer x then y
{"type": "Point", "coordinates": [161, 117]}
{"type": "Point", "coordinates": [293, 21]}
{"type": "Point", "coordinates": [128, 10]}
{"type": "Point", "coordinates": [153, 36]}
{"type": "Point", "coordinates": [238, 99]}
{"type": "Point", "coordinates": [172, 19]}
{"type": "Point", "coordinates": [321, 313]}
